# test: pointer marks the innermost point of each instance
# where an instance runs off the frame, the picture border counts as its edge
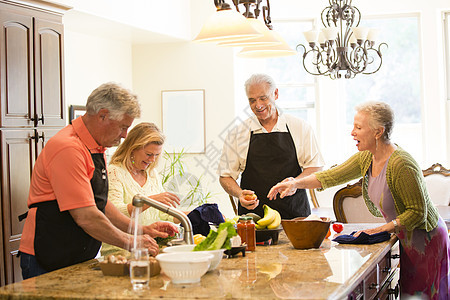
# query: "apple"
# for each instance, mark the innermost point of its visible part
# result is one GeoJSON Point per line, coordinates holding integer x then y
{"type": "Point", "coordinates": [338, 227]}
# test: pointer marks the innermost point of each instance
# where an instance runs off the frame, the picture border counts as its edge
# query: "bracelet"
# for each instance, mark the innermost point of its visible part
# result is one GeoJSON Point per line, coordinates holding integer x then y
{"type": "Point", "coordinates": [395, 226]}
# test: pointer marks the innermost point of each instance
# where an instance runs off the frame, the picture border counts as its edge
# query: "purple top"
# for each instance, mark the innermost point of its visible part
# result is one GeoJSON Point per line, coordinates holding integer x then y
{"type": "Point", "coordinates": [380, 194]}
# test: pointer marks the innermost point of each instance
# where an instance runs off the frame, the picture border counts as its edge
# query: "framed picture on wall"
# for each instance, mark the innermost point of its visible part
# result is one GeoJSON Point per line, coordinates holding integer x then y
{"type": "Point", "coordinates": [75, 111]}
{"type": "Point", "coordinates": [183, 120]}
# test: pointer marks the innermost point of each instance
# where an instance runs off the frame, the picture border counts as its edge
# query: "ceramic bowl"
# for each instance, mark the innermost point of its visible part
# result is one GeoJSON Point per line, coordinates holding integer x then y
{"type": "Point", "coordinates": [186, 268]}
{"type": "Point", "coordinates": [263, 235]}
{"type": "Point", "coordinates": [217, 254]}
{"type": "Point", "coordinates": [306, 234]}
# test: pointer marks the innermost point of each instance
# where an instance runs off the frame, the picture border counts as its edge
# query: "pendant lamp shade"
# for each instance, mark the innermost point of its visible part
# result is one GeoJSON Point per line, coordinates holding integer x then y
{"type": "Point", "coordinates": [226, 26]}
{"type": "Point", "coordinates": [267, 39]}
{"type": "Point", "coordinates": [282, 49]}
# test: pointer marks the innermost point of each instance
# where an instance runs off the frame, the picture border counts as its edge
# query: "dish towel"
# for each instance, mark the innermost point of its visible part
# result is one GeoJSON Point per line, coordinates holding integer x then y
{"type": "Point", "coordinates": [363, 238]}
{"type": "Point", "coordinates": [201, 216]}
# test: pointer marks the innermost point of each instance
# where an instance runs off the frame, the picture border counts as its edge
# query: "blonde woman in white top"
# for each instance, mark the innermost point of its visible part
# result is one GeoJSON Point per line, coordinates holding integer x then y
{"type": "Point", "coordinates": [132, 171]}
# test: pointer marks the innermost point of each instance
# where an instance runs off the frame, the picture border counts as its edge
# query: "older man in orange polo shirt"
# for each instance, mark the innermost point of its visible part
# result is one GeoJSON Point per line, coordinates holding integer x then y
{"type": "Point", "coordinates": [69, 214]}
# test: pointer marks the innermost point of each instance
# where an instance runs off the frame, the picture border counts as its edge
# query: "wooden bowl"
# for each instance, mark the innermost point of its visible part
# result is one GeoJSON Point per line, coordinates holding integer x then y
{"type": "Point", "coordinates": [306, 234]}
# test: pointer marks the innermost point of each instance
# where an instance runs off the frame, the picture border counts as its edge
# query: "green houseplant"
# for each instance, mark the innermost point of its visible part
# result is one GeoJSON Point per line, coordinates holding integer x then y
{"type": "Point", "coordinates": [177, 179]}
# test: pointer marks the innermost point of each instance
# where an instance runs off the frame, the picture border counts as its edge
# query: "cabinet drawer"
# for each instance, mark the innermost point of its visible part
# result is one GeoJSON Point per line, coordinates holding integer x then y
{"type": "Point", "coordinates": [357, 293]}
{"type": "Point", "coordinates": [385, 268]}
{"type": "Point", "coordinates": [371, 284]}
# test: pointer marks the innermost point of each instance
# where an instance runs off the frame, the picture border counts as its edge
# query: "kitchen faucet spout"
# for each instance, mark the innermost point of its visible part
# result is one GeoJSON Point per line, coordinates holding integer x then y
{"type": "Point", "coordinates": [140, 200]}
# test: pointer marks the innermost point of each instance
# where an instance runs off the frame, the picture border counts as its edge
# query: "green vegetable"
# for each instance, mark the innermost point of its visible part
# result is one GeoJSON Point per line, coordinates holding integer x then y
{"type": "Point", "coordinates": [163, 241]}
{"type": "Point", "coordinates": [218, 239]}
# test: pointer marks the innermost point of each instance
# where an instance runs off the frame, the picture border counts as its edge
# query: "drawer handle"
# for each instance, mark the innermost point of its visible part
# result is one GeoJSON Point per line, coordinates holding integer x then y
{"type": "Point", "coordinates": [373, 286]}
{"type": "Point", "coordinates": [395, 291]}
{"type": "Point", "coordinates": [395, 256]}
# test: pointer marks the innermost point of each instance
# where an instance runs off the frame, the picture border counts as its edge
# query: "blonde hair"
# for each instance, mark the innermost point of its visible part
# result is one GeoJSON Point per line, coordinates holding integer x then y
{"type": "Point", "coordinates": [116, 99]}
{"type": "Point", "coordinates": [380, 115]}
{"type": "Point", "coordinates": [139, 136]}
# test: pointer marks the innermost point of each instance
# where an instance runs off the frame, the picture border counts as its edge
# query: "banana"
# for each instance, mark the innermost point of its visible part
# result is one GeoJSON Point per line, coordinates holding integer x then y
{"type": "Point", "coordinates": [259, 227]}
{"type": "Point", "coordinates": [269, 216]}
{"type": "Point", "coordinates": [275, 222]}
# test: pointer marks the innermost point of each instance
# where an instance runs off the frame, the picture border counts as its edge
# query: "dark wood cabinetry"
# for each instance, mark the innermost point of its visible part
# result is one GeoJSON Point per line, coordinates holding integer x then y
{"type": "Point", "coordinates": [32, 109]}
{"type": "Point", "coordinates": [382, 280]}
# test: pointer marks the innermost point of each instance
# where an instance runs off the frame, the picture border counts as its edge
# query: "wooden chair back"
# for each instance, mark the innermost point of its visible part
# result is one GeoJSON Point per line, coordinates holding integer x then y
{"type": "Point", "coordinates": [349, 206]}
{"type": "Point", "coordinates": [437, 180]}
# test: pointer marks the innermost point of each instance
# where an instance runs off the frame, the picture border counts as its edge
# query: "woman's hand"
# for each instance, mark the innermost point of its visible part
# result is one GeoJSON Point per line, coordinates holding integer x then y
{"type": "Point", "coordinates": [160, 229]}
{"type": "Point", "coordinates": [389, 227]}
{"type": "Point", "coordinates": [167, 198]}
{"type": "Point", "coordinates": [248, 199]}
{"type": "Point", "coordinates": [370, 231]}
{"type": "Point", "coordinates": [285, 188]}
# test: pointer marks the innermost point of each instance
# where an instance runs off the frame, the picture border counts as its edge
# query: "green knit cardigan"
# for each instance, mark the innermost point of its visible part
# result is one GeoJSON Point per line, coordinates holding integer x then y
{"type": "Point", "coordinates": [404, 179]}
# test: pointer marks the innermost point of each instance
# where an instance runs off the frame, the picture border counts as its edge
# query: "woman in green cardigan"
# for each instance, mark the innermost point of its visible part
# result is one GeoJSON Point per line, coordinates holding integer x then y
{"type": "Point", "coordinates": [394, 188]}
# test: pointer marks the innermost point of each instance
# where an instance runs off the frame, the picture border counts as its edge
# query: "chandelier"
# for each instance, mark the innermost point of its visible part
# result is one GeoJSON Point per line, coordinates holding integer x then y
{"type": "Point", "coordinates": [341, 47]}
{"type": "Point", "coordinates": [229, 28]}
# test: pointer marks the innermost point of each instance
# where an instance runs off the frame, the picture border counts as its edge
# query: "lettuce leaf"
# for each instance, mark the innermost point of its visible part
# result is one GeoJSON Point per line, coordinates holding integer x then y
{"type": "Point", "coordinates": [218, 239]}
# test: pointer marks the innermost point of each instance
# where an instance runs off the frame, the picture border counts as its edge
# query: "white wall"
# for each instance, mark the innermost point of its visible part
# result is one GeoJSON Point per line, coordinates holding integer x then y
{"type": "Point", "coordinates": [92, 60]}
{"type": "Point", "coordinates": [187, 66]}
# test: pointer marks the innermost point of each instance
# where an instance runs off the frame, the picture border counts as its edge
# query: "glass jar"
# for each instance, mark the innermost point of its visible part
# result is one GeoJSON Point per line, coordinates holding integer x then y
{"type": "Point", "coordinates": [247, 231]}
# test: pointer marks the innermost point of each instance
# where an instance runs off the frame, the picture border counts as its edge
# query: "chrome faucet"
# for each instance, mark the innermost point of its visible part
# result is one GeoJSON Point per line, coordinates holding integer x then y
{"type": "Point", "coordinates": [140, 200]}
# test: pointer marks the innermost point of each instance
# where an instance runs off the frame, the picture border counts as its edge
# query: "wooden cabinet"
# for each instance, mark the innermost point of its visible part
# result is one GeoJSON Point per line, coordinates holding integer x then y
{"type": "Point", "coordinates": [382, 280]}
{"type": "Point", "coordinates": [32, 109]}
{"type": "Point", "coordinates": [18, 155]}
{"type": "Point", "coordinates": [31, 60]}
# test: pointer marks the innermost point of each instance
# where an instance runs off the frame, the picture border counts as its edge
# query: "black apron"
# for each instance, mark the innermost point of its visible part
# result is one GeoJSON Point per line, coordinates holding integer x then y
{"type": "Point", "coordinates": [59, 242]}
{"type": "Point", "coordinates": [271, 158]}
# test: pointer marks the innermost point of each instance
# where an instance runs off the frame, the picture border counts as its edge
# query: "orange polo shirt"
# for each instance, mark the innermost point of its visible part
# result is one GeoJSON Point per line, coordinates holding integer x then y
{"type": "Point", "coordinates": [63, 172]}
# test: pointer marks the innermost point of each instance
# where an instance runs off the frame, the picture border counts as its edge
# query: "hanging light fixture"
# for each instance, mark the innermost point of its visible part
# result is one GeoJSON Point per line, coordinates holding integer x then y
{"type": "Point", "coordinates": [342, 46]}
{"type": "Point", "coordinates": [226, 25]}
{"type": "Point", "coordinates": [278, 50]}
{"type": "Point", "coordinates": [230, 32]}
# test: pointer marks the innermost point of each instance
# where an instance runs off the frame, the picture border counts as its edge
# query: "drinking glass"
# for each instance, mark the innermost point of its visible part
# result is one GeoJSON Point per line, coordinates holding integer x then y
{"type": "Point", "coordinates": [139, 268]}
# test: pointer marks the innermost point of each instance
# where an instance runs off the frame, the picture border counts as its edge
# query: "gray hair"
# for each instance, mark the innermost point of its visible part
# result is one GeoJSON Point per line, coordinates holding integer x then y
{"type": "Point", "coordinates": [116, 99]}
{"type": "Point", "coordinates": [259, 79]}
{"type": "Point", "coordinates": [380, 115]}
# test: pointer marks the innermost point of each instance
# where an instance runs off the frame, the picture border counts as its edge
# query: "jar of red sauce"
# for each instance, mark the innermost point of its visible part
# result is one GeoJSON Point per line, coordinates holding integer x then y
{"type": "Point", "coordinates": [247, 231]}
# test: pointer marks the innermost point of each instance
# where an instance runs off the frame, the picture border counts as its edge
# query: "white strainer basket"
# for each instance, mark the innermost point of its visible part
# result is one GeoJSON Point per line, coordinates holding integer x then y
{"type": "Point", "coordinates": [186, 267]}
{"type": "Point", "coordinates": [218, 254]}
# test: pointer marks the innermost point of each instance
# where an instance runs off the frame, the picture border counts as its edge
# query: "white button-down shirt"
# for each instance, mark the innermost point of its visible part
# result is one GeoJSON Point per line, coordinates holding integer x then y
{"type": "Point", "coordinates": [234, 153]}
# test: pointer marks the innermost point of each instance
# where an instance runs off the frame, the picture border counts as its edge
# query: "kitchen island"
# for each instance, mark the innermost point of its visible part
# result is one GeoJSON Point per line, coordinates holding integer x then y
{"type": "Point", "coordinates": [271, 272]}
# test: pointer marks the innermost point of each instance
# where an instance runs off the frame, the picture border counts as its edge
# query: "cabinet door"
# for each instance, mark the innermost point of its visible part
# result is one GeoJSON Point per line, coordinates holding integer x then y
{"type": "Point", "coordinates": [16, 69]}
{"type": "Point", "coordinates": [49, 72]}
{"type": "Point", "coordinates": [43, 135]}
{"type": "Point", "coordinates": [18, 152]}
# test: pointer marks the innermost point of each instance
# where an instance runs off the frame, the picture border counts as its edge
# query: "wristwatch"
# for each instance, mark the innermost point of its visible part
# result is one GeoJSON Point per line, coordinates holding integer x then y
{"type": "Point", "coordinates": [395, 226]}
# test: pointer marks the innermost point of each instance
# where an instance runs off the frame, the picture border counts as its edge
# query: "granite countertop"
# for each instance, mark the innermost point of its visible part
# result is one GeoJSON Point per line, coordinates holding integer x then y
{"type": "Point", "coordinates": [271, 272]}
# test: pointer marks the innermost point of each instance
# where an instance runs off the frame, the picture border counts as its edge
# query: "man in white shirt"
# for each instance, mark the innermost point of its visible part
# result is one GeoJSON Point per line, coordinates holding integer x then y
{"type": "Point", "coordinates": [267, 148]}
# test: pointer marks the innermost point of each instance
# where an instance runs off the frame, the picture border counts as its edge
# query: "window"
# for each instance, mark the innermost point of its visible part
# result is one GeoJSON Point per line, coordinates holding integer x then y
{"type": "Point", "coordinates": [297, 90]}
{"type": "Point", "coordinates": [447, 50]}
{"type": "Point", "coordinates": [396, 83]}
{"type": "Point", "coordinates": [328, 105]}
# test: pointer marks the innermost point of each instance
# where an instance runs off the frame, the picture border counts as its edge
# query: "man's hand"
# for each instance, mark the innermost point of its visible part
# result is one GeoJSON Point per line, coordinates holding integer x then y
{"type": "Point", "coordinates": [284, 188]}
{"type": "Point", "coordinates": [145, 241]}
{"type": "Point", "coordinates": [160, 229]}
{"type": "Point", "coordinates": [248, 199]}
